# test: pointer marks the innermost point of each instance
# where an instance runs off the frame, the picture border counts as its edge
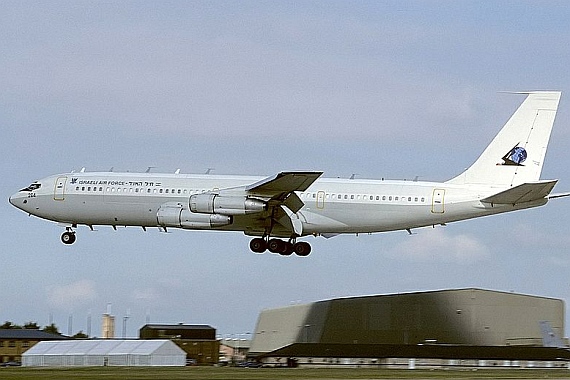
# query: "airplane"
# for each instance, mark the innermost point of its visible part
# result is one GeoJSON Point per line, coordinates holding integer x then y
{"type": "Point", "coordinates": [279, 210]}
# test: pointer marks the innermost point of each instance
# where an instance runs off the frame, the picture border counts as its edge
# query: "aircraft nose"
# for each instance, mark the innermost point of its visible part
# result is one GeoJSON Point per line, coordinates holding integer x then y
{"type": "Point", "coordinates": [17, 200]}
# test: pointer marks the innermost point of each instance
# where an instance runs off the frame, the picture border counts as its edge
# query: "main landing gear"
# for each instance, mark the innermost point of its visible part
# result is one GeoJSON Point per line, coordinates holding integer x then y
{"type": "Point", "coordinates": [284, 248]}
{"type": "Point", "coordinates": [68, 237]}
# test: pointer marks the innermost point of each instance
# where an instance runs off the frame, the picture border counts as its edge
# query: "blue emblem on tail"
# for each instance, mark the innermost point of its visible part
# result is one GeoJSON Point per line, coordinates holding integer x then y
{"type": "Point", "coordinates": [516, 156]}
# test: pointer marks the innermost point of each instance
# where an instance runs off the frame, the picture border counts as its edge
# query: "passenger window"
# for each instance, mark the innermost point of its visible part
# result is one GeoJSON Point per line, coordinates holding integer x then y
{"type": "Point", "coordinates": [395, 198]}
{"type": "Point", "coordinates": [339, 196]}
{"type": "Point", "coordinates": [383, 197]}
{"type": "Point", "coordinates": [423, 199]}
{"type": "Point", "coordinates": [314, 195]}
{"type": "Point", "coordinates": [390, 198]}
{"type": "Point", "coordinates": [352, 196]}
{"type": "Point", "coordinates": [345, 196]}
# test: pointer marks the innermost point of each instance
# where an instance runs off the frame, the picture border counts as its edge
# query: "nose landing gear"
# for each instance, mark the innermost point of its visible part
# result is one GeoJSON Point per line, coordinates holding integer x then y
{"type": "Point", "coordinates": [68, 237]}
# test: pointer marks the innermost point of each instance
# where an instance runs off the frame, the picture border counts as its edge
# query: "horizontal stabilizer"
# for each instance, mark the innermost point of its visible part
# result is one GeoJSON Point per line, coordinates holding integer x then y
{"type": "Point", "coordinates": [526, 192]}
{"type": "Point", "coordinates": [558, 195]}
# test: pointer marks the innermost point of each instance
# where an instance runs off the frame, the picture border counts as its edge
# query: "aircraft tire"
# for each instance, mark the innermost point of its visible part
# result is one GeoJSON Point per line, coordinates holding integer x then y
{"type": "Point", "coordinates": [287, 249]}
{"type": "Point", "coordinates": [276, 246]}
{"type": "Point", "coordinates": [302, 248]}
{"type": "Point", "coordinates": [258, 245]}
{"type": "Point", "coordinates": [68, 237]}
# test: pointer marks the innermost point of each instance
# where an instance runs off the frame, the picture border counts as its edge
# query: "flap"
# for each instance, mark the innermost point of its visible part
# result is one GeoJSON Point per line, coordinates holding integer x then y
{"type": "Point", "coordinates": [526, 192]}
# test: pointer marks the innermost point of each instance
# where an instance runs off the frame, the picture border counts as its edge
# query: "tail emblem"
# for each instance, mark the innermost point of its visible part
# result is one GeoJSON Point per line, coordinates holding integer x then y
{"type": "Point", "coordinates": [515, 156]}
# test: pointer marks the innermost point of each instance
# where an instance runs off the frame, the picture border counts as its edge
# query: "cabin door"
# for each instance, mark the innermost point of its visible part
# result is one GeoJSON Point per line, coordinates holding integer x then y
{"type": "Point", "coordinates": [59, 192]}
{"type": "Point", "coordinates": [437, 203]}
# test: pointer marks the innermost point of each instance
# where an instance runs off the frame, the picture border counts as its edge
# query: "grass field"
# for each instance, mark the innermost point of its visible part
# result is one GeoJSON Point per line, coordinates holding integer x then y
{"type": "Point", "coordinates": [212, 373]}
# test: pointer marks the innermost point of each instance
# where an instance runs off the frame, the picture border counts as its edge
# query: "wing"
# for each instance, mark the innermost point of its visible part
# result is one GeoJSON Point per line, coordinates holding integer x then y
{"type": "Point", "coordinates": [283, 203]}
{"type": "Point", "coordinates": [280, 188]}
{"type": "Point", "coordinates": [283, 183]}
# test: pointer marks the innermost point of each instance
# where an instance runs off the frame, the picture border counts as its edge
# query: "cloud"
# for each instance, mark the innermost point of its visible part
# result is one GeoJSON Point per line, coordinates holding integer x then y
{"type": "Point", "coordinates": [156, 292]}
{"type": "Point", "coordinates": [71, 295]}
{"type": "Point", "coordinates": [440, 246]}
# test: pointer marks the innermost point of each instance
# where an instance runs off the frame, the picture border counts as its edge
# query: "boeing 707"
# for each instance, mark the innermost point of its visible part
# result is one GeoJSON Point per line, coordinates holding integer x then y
{"type": "Point", "coordinates": [279, 210]}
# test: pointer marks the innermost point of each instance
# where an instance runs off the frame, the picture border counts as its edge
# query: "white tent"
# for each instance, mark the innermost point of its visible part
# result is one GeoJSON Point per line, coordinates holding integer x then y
{"type": "Point", "coordinates": [155, 352]}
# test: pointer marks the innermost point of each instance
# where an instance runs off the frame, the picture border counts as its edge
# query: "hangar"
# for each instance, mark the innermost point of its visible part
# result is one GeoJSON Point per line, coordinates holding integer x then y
{"type": "Point", "coordinates": [414, 325]}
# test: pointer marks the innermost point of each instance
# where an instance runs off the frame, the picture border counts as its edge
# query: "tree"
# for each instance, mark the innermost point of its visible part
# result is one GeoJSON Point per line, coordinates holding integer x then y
{"type": "Point", "coordinates": [52, 329]}
{"type": "Point", "coordinates": [80, 335]}
{"type": "Point", "coordinates": [31, 326]}
{"type": "Point", "coordinates": [10, 325]}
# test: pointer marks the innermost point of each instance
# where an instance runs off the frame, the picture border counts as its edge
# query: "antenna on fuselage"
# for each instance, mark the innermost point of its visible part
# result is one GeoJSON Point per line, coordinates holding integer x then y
{"type": "Point", "coordinates": [209, 170]}
{"type": "Point", "coordinates": [149, 168]}
{"type": "Point", "coordinates": [82, 170]}
{"type": "Point", "coordinates": [177, 171]}
{"type": "Point", "coordinates": [353, 175]}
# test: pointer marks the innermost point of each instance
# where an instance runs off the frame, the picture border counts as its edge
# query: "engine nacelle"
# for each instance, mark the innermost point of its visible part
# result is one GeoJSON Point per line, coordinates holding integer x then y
{"type": "Point", "coordinates": [200, 221]}
{"type": "Point", "coordinates": [176, 215]}
{"type": "Point", "coordinates": [226, 205]}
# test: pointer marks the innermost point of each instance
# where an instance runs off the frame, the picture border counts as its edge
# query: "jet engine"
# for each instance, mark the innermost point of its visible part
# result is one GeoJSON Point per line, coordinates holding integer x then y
{"type": "Point", "coordinates": [226, 205]}
{"type": "Point", "coordinates": [176, 215]}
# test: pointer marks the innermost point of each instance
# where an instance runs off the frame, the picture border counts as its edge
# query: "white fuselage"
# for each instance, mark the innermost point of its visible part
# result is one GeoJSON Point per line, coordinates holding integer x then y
{"type": "Point", "coordinates": [331, 206]}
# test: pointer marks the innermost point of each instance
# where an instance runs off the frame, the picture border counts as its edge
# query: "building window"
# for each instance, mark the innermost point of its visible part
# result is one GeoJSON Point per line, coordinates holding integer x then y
{"type": "Point", "coordinates": [12, 343]}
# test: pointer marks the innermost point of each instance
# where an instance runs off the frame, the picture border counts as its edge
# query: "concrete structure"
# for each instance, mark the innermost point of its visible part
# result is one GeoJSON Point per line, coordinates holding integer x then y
{"type": "Point", "coordinates": [233, 350]}
{"type": "Point", "coordinates": [14, 342]}
{"type": "Point", "coordinates": [198, 341]}
{"type": "Point", "coordinates": [461, 317]}
{"type": "Point", "coordinates": [107, 352]}
{"type": "Point", "coordinates": [108, 326]}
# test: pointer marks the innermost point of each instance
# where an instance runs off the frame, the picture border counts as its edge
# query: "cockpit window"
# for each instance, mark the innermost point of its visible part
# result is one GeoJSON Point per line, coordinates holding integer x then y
{"type": "Point", "coordinates": [32, 187]}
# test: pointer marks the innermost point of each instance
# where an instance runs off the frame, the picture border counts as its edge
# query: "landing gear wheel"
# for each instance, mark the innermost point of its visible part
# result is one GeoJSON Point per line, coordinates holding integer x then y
{"type": "Point", "coordinates": [287, 249]}
{"type": "Point", "coordinates": [302, 248]}
{"type": "Point", "coordinates": [68, 237]}
{"type": "Point", "coordinates": [258, 245]}
{"type": "Point", "coordinates": [276, 245]}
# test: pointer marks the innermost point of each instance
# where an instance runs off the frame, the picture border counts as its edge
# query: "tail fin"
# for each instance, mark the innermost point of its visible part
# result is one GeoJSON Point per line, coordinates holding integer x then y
{"type": "Point", "coordinates": [516, 154]}
{"type": "Point", "coordinates": [549, 337]}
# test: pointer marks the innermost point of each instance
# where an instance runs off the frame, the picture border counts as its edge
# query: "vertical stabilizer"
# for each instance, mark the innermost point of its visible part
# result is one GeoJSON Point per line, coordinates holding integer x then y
{"type": "Point", "coordinates": [516, 154]}
{"type": "Point", "coordinates": [549, 337]}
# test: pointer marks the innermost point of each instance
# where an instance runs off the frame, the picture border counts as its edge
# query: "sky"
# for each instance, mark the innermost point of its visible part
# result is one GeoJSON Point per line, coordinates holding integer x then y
{"type": "Point", "coordinates": [379, 89]}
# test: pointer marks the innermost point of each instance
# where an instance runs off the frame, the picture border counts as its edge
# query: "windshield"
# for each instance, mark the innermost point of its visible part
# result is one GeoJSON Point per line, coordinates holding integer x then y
{"type": "Point", "coordinates": [32, 187]}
